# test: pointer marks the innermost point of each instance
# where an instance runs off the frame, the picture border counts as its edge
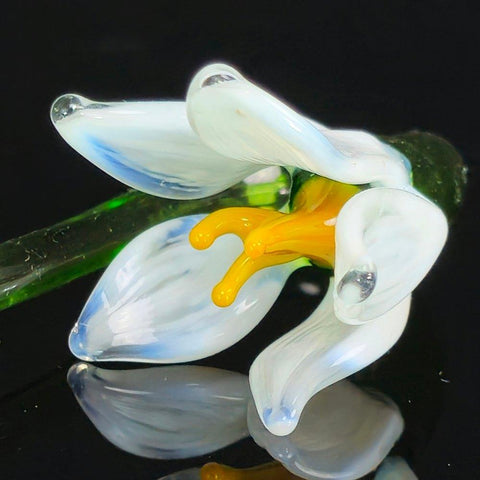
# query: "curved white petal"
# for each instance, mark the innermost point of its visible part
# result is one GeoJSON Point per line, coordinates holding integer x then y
{"type": "Point", "coordinates": [149, 146]}
{"type": "Point", "coordinates": [314, 355]}
{"type": "Point", "coordinates": [343, 434]}
{"type": "Point", "coordinates": [395, 468]}
{"type": "Point", "coordinates": [386, 242]}
{"type": "Point", "coordinates": [153, 303]}
{"type": "Point", "coordinates": [164, 412]}
{"type": "Point", "coordinates": [238, 119]}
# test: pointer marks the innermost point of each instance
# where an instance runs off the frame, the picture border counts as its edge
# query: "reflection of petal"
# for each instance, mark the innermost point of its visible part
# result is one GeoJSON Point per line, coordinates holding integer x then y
{"type": "Point", "coordinates": [153, 302]}
{"type": "Point", "coordinates": [189, 474]}
{"type": "Point", "coordinates": [343, 434]}
{"type": "Point", "coordinates": [164, 412]}
{"type": "Point", "coordinates": [147, 145]}
{"type": "Point", "coordinates": [386, 242]}
{"type": "Point", "coordinates": [317, 353]}
{"type": "Point", "coordinates": [238, 119]}
{"type": "Point", "coordinates": [395, 468]}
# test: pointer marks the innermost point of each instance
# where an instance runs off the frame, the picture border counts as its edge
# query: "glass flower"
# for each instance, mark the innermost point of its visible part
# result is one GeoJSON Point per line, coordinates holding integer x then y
{"type": "Point", "coordinates": [191, 287]}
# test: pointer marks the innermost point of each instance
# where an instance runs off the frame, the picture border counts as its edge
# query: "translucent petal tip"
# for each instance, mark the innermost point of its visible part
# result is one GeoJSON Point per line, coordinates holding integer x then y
{"type": "Point", "coordinates": [67, 105]}
{"type": "Point", "coordinates": [75, 377]}
{"type": "Point", "coordinates": [282, 422]}
{"type": "Point", "coordinates": [77, 342]}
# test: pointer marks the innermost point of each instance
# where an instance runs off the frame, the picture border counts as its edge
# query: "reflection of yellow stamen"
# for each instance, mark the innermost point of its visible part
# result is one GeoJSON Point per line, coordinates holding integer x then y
{"type": "Point", "coordinates": [268, 471]}
{"type": "Point", "coordinates": [273, 238]}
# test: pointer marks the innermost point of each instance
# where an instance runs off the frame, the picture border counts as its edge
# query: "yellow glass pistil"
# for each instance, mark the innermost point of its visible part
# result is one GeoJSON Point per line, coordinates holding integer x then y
{"type": "Point", "coordinates": [273, 238]}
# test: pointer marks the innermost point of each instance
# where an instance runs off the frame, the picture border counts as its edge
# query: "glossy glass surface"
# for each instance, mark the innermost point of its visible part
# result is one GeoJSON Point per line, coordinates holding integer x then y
{"type": "Point", "coordinates": [153, 303]}
{"type": "Point", "coordinates": [186, 411]}
{"type": "Point", "coordinates": [383, 67]}
{"type": "Point", "coordinates": [343, 434]}
{"type": "Point", "coordinates": [149, 146]}
{"type": "Point", "coordinates": [164, 413]}
{"type": "Point", "coordinates": [319, 352]}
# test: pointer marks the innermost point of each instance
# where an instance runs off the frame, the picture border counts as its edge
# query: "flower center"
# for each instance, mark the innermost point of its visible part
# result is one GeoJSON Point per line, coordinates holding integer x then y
{"type": "Point", "coordinates": [273, 238]}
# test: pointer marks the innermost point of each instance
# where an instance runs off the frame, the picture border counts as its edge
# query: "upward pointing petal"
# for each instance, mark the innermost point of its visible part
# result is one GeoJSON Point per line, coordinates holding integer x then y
{"type": "Point", "coordinates": [236, 118]}
{"type": "Point", "coordinates": [153, 303]}
{"type": "Point", "coordinates": [147, 145]}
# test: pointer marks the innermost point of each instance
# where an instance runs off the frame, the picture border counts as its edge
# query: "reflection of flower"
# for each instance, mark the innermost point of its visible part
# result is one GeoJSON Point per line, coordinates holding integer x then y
{"type": "Point", "coordinates": [185, 411]}
{"type": "Point", "coordinates": [153, 303]}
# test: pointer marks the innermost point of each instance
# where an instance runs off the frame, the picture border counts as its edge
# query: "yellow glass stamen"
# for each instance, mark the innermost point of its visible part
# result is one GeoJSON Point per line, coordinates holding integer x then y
{"type": "Point", "coordinates": [292, 229]}
{"type": "Point", "coordinates": [242, 269]}
{"type": "Point", "coordinates": [273, 238]}
{"type": "Point", "coordinates": [237, 220]}
{"type": "Point", "coordinates": [268, 471]}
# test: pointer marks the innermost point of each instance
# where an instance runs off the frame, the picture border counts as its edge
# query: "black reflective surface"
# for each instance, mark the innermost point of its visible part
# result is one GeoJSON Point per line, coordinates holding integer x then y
{"type": "Point", "coordinates": [384, 68]}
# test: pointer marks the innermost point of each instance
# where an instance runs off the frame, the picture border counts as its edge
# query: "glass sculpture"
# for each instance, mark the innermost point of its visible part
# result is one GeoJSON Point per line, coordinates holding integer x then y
{"type": "Point", "coordinates": [216, 254]}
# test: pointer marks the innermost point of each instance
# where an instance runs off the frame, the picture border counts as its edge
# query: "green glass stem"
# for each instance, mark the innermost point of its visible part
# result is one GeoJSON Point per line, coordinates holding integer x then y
{"type": "Point", "coordinates": [438, 170]}
{"type": "Point", "coordinates": [51, 257]}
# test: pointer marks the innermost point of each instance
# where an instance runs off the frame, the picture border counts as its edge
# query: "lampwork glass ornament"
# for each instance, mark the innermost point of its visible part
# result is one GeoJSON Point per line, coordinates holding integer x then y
{"type": "Point", "coordinates": [189, 287]}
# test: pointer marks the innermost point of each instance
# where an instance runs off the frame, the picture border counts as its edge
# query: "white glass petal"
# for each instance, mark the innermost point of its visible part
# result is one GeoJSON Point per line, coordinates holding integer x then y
{"type": "Point", "coordinates": [395, 468]}
{"type": "Point", "coordinates": [153, 303]}
{"type": "Point", "coordinates": [238, 119]}
{"type": "Point", "coordinates": [314, 355]}
{"type": "Point", "coordinates": [164, 412]}
{"type": "Point", "coordinates": [343, 434]}
{"type": "Point", "coordinates": [386, 242]}
{"type": "Point", "coordinates": [149, 146]}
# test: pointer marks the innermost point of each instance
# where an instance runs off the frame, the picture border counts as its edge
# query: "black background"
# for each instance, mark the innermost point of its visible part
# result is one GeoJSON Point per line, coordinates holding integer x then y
{"type": "Point", "coordinates": [381, 66]}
